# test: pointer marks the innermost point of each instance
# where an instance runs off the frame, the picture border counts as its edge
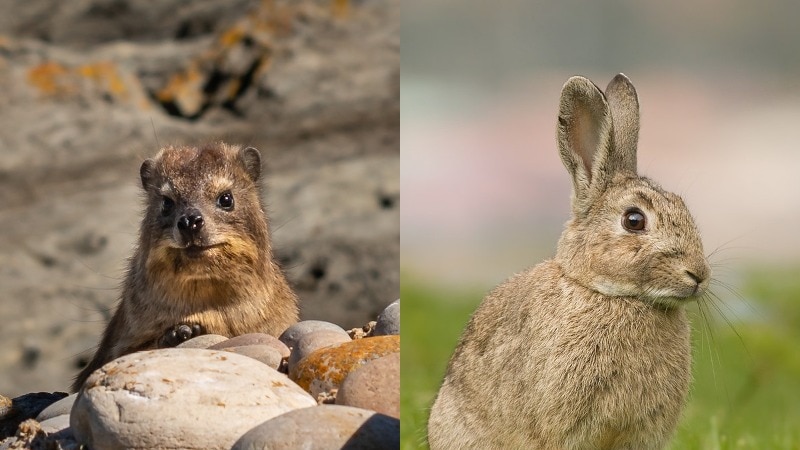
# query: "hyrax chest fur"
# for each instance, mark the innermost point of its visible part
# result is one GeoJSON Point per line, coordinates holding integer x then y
{"type": "Point", "coordinates": [203, 259]}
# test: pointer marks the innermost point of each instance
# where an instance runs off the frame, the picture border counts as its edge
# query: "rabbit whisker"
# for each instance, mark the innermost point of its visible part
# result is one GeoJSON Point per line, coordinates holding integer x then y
{"type": "Point", "coordinates": [728, 287]}
{"type": "Point", "coordinates": [718, 308]}
{"type": "Point", "coordinates": [724, 247]}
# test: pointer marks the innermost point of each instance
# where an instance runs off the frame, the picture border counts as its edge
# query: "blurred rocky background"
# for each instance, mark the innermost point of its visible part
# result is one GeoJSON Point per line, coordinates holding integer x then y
{"type": "Point", "coordinates": [90, 88]}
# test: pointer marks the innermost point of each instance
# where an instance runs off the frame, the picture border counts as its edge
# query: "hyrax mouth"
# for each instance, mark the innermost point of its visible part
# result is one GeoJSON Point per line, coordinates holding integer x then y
{"type": "Point", "coordinates": [195, 251]}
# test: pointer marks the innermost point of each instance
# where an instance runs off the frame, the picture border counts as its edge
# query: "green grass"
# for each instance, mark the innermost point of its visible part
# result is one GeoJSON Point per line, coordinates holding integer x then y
{"type": "Point", "coordinates": [746, 392]}
{"type": "Point", "coordinates": [432, 321]}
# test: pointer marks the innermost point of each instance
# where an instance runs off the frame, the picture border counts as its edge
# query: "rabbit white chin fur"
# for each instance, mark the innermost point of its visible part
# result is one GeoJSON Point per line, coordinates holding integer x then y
{"type": "Point", "coordinates": [589, 350]}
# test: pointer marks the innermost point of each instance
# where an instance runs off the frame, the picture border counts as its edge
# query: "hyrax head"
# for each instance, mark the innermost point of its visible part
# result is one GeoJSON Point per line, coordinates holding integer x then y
{"type": "Point", "coordinates": [204, 210]}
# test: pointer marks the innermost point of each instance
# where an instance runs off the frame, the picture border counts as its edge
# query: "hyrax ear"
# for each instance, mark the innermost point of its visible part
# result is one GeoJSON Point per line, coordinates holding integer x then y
{"type": "Point", "coordinates": [624, 105]}
{"type": "Point", "coordinates": [584, 139]}
{"type": "Point", "coordinates": [251, 159]}
{"type": "Point", "coordinates": [146, 173]}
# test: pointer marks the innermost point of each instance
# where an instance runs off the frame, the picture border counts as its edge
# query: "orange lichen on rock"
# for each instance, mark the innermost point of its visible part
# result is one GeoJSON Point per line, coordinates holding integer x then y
{"type": "Point", "coordinates": [240, 56]}
{"type": "Point", "coordinates": [106, 76]}
{"type": "Point", "coordinates": [326, 368]}
{"type": "Point", "coordinates": [51, 78]}
{"type": "Point", "coordinates": [54, 79]}
{"type": "Point", "coordinates": [341, 8]}
{"type": "Point", "coordinates": [231, 36]}
{"type": "Point", "coordinates": [185, 89]}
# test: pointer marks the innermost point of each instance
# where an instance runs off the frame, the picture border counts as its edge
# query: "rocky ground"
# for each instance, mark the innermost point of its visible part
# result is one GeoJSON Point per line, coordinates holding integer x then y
{"type": "Point", "coordinates": [90, 89]}
{"type": "Point", "coordinates": [316, 386]}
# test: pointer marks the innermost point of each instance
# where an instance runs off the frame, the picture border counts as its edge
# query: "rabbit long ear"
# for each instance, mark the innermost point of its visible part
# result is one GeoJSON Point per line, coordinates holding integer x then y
{"type": "Point", "coordinates": [624, 106]}
{"type": "Point", "coordinates": [584, 140]}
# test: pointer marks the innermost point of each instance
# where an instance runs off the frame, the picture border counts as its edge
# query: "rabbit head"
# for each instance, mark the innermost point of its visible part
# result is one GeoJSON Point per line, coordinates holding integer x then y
{"type": "Point", "coordinates": [627, 236]}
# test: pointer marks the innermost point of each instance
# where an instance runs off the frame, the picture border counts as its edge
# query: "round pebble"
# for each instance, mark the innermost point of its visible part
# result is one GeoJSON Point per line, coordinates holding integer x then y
{"type": "Point", "coordinates": [324, 427]}
{"type": "Point", "coordinates": [63, 406]}
{"type": "Point", "coordinates": [374, 386]}
{"type": "Point", "coordinates": [203, 341]}
{"type": "Point", "coordinates": [55, 424]}
{"type": "Point", "coordinates": [253, 339]}
{"type": "Point", "coordinates": [263, 353]}
{"type": "Point", "coordinates": [294, 332]}
{"type": "Point", "coordinates": [389, 320]}
{"type": "Point", "coordinates": [313, 341]}
{"type": "Point", "coordinates": [326, 368]}
{"type": "Point", "coordinates": [180, 398]}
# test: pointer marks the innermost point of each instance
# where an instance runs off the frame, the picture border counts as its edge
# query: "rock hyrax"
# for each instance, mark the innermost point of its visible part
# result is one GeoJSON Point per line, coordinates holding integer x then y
{"type": "Point", "coordinates": [203, 263]}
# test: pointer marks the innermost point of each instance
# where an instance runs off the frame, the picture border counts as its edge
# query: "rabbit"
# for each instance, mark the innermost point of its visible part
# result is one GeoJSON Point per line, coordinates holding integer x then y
{"type": "Point", "coordinates": [591, 349]}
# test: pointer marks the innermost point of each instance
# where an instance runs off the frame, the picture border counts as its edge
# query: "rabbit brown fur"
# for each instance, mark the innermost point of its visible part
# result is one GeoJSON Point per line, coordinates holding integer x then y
{"type": "Point", "coordinates": [589, 350]}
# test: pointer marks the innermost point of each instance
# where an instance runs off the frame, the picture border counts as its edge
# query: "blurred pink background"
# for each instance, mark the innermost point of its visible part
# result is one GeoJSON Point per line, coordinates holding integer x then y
{"type": "Point", "coordinates": [484, 193]}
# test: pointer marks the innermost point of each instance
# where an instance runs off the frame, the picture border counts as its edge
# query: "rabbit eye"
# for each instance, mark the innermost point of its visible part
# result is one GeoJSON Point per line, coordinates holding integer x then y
{"type": "Point", "coordinates": [633, 220]}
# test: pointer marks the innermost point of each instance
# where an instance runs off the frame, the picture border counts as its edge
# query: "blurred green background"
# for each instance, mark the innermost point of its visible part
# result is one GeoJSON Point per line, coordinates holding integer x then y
{"type": "Point", "coordinates": [485, 195]}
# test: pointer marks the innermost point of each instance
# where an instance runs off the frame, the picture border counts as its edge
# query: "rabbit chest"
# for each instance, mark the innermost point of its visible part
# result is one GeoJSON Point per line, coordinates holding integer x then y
{"type": "Point", "coordinates": [546, 363]}
{"type": "Point", "coordinates": [612, 371]}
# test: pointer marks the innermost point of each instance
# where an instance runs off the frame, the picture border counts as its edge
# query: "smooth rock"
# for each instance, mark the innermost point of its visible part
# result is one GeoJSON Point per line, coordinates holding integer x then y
{"type": "Point", "coordinates": [296, 331]}
{"type": "Point", "coordinates": [203, 341]}
{"type": "Point", "coordinates": [180, 398]}
{"type": "Point", "coordinates": [311, 342]}
{"type": "Point", "coordinates": [263, 353]}
{"type": "Point", "coordinates": [389, 320]}
{"type": "Point", "coordinates": [55, 424]}
{"type": "Point", "coordinates": [326, 368]}
{"type": "Point", "coordinates": [324, 427]}
{"type": "Point", "coordinates": [253, 339]}
{"type": "Point", "coordinates": [63, 406]}
{"type": "Point", "coordinates": [374, 386]}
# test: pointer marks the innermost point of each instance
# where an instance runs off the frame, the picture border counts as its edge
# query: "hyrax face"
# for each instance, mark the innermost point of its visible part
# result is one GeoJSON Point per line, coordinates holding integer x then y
{"type": "Point", "coordinates": [204, 214]}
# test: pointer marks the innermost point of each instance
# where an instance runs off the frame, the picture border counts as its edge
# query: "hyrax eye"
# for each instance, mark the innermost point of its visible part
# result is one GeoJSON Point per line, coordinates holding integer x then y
{"type": "Point", "coordinates": [634, 220]}
{"type": "Point", "coordinates": [167, 205]}
{"type": "Point", "coordinates": [225, 201]}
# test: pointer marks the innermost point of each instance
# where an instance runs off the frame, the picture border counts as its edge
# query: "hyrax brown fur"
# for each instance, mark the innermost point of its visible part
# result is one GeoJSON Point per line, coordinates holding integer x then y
{"type": "Point", "coordinates": [203, 263]}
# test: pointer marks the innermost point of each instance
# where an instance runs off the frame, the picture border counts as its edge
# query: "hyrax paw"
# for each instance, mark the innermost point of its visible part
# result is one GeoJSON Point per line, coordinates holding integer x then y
{"type": "Point", "coordinates": [180, 333]}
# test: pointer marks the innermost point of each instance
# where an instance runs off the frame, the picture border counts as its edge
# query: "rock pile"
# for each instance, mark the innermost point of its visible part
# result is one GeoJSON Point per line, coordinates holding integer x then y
{"type": "Point", "coordinates": [314, 387]}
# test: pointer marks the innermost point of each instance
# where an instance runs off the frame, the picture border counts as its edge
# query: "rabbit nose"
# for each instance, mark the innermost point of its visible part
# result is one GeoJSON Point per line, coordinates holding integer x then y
{"type": "Point", "coordinates": [699, 275]}
{"type": "Point", "coordinates": [694, 277]}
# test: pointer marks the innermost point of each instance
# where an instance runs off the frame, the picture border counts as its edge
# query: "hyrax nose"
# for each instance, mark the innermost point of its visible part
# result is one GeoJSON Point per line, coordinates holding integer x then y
{"type": "Point", "coordinates": [190, 223]}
